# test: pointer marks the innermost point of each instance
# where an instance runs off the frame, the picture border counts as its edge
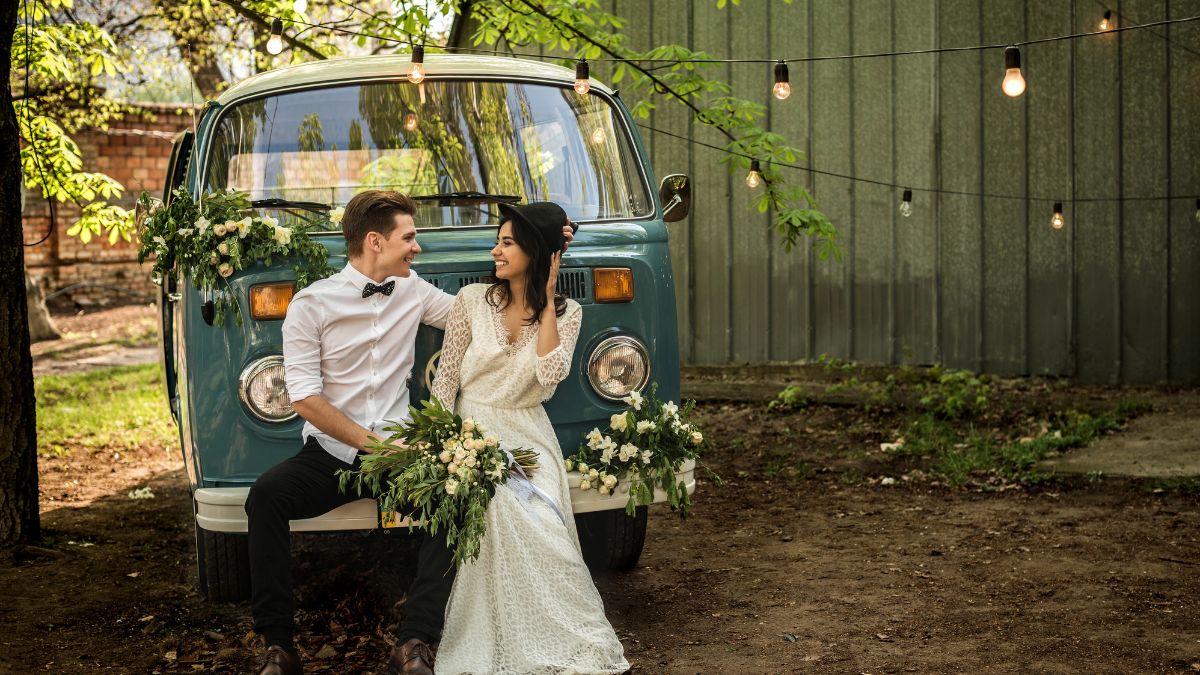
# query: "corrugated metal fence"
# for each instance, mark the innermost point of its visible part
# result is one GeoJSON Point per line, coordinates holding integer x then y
{"type": "Point", "coordinates": [981, 283]}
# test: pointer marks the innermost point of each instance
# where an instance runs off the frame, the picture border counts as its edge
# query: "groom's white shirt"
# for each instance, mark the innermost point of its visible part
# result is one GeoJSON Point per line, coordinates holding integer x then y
{"type": "Point", "coordinates": [357, 353]}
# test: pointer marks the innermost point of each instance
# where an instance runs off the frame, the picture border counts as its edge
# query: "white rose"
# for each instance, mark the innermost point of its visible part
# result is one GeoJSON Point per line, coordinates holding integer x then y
{"type": "Point", "coordinates": [225, 269]}
{"type": "Point", "coordinates": [471, 461]}
{"type": "Point", "coordinates": [464, 473]}
{"type": "Point", "coordinates": [223, 248]}
{"type": "Point", "coordinates": [608, 444]}
{"type": "Point", "coordinates": [618, 422]}
{"type": "Point", "coordinates": [162, 243]}
{"type": "Point", "coordinates": [214, 258]}
{"type": "Point", "coordinates": [593, 474]}
{"type": "Point", "coordinates": [453, 467]}
{"type": "Point", "coordinates": [283, 236]}
{"type": "Point", "coordinates": [491, 441]}
{"type": "Point", "coordinates": [697, 438]}
{"type": "Point", "coordinates": [460, 454]}
{"type": "Point", "coordinates": [569, 464]}
{"type": "Point", "coordinates": [451, 486]}
{"type": "Point", "coordinates": [628, 451]}
{"type": "Point", "coordinates": [670, 409]}
{"type": "Point", "coordinates": [269, 221]}
{"type": "Point", "coordinates": [184, 231]}
{"type": "Point", "coordinates": [202, 224]}
{"type": "Point", "coordinates": [581, 468]}
{"type": "Point", "coordinates": [606, 456]}
{"type": "Point", "coordinates": [634, 399]}
{"type": "Point", "coordinates": [646, 455]}
{"type": "Point", "coordinates": [220, 230]}
{"type": "Point", "coordinates": [585, 484]}
{"type": "Point", "coordinates": [603, 490]}
{"type": "Point", "coordinates": [244, 225]}
{"type": "Point", "coordinates": [445, 457]}
{"type": "Point", "coordinates": [335, 215]}
{"type": "Point", "coordinates": [646, 425]}
{"type": "Point", "coordinates": [610, 481]}
{"type": "Point", "coordinates": [594, 438]}
{"type": "Point", "coordinates": [496, 472]}
{"type": "Point", "coordinates": [468, 424]}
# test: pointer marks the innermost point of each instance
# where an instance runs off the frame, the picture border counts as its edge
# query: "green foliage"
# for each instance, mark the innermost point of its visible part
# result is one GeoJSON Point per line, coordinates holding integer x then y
{"type": "Point", "coordinates": [581, 26]}
{"type": "Point", "coordinates": [791, 398]}
{"type": "Point", "coordinates": [56, 61]}
{"type": "Point", "coordinates": [439, 469]}
{"type": "Point", "coordinates": [209, 242]}
{"type": "Point", "coordinates": [109, 409]}
{"type": "Point", "coordinates": [955, 394]}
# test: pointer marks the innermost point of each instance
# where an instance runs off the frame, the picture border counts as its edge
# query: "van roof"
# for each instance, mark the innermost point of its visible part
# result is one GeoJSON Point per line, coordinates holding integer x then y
{"type": "Point", "coordinates": [394, 67]}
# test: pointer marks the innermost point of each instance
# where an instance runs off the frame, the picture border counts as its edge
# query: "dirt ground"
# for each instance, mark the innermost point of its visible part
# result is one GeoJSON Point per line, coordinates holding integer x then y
{"type": "Point", "coordinates": [789, 566]}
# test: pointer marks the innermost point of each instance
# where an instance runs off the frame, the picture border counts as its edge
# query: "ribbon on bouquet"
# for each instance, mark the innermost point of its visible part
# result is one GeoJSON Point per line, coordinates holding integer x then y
{"type": "Point", "coordinates": [524, 488]}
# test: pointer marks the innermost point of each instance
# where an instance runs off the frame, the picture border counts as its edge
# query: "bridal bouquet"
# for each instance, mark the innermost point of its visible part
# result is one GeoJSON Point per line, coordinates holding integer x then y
{"type": "Point", "coordinates": [441, 470]}
{"type": "Point", "coordinates": [645, 444]}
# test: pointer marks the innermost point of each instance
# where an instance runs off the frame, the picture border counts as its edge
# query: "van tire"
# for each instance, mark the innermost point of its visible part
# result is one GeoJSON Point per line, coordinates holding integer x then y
{"type": "Point", "coordinates": [223, 563]}
{"type": "Point", "coordinates": [611, 540]}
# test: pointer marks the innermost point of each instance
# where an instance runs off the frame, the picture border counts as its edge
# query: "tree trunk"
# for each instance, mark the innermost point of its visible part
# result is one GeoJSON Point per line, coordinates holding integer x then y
{"type": "Point", "coordinates": [19, 522]}
{"type": "Point", "coordinates": [40, 325]}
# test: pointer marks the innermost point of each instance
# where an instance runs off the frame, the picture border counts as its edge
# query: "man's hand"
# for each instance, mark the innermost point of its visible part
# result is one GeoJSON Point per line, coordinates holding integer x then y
{"type": "Point", "coordinates": [334, 422]}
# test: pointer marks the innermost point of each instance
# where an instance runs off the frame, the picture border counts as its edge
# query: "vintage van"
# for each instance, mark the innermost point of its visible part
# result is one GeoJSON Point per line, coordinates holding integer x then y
{"type": "Point", "coordinates": [302, 140]}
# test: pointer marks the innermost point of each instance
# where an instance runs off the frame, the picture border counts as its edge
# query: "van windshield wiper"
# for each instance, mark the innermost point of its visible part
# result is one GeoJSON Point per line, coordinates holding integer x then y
{"type": "Point", "coordinates": [276, 203]}
{"type": "Point", "coordinates": [446, 198]}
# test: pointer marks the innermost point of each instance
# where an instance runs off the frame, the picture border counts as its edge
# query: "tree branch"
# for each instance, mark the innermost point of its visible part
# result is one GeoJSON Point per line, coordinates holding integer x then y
{"type": "Point", "coordinates": [261, 21]}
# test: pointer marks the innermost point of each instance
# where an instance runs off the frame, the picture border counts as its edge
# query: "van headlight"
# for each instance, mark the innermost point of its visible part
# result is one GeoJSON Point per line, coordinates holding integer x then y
{"type": "Point", "coordinates": [263, 390]}
{"type": "Point", "coordinates": [617, 366]}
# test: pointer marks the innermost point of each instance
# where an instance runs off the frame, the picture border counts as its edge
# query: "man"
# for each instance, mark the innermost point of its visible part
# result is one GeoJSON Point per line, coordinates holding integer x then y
{"type": "Point", "coordinates": [348, 347]}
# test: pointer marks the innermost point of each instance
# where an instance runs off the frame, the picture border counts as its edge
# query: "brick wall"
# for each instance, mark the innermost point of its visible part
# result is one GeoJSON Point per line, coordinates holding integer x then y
{"type": "Point", "coordinates": [135, 152]}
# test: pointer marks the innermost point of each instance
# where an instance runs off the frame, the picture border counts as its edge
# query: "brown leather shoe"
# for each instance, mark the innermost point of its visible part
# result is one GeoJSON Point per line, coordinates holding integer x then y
{"type": "Point", "coordinates": [412, 658]}
{"type": "Point", "coordinates": [281, 662]}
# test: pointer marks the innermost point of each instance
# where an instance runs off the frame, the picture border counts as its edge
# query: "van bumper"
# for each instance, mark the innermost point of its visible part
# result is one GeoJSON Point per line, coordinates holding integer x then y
{"type": "Point", "coordinates": [223, 509]}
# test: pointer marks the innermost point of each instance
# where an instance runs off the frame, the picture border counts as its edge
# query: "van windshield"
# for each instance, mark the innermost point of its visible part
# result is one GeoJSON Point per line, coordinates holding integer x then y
{"type": "Point", "coordinates": [538, 142]}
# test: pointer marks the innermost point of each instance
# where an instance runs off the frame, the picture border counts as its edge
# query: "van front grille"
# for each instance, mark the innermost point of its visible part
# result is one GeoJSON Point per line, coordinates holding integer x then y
{"type": "Point", "coordinates": [573, 283]}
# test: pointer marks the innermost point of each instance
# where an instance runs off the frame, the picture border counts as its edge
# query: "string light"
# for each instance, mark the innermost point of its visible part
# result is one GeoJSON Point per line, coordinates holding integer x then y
{"type": "Point", "coordinates": [275, 43]}
{"type": "Point", "coordinates": [906, 208]}
{"type": "Point", "coordinates": [582, 84]}
{"type": "Point", "coordinates": [416, 72]}
{"type": "Point", "coordinates": [1058, 220]}
{"type": "Point", "coordinates": [1014, 82]}
{"type": "Point", "coordinates": [410, 121]}
{"type": "Point", "coordinates": [598, 136]}
{"type": "Point", "coordinates": [300, 6]}
{"type": "Point", "coordinates": [754, 178]}
{"type": "Point", "coordinates": [782, 88]}
{"type": "Point", "coordinates": [1106, 22]}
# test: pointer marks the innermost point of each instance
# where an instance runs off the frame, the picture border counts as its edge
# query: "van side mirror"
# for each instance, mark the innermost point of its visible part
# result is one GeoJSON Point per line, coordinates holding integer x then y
{"type": "Point", "coordinates": [675, 193]}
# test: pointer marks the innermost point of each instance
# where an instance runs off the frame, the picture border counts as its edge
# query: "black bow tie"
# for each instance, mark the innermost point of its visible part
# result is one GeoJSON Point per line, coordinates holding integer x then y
{"type": "Point", "coordinates": [372, 289]}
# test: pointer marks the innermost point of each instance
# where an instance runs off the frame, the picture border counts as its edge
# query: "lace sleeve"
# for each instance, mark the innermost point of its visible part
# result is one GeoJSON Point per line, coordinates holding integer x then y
{"type": "Point", "coordinates": [554, 367]}
{"type": "Point", "coordinates": [454, 346]}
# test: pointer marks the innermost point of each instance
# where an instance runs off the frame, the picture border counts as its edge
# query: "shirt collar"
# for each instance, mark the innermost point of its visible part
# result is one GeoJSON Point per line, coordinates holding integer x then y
{"type": "Point", "coordinates": [357, 278]}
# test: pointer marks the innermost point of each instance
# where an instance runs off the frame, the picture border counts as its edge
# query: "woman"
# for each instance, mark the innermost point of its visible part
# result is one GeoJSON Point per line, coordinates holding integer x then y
{"type": "Point", "coordinates": [527, 604]}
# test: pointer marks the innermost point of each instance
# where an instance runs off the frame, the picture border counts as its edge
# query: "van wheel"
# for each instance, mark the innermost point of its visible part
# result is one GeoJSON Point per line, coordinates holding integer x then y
{"type": "Point", "coordinates": [223, 563]}
{"type": "Point", "coordinates": [612, 540]}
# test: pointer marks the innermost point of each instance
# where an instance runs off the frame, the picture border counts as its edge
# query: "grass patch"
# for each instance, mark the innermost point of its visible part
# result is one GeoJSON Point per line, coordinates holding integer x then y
{"type": "Point", "coordinates": [960, 452]}
{"type": "Point", "coordinates": [109, 408]}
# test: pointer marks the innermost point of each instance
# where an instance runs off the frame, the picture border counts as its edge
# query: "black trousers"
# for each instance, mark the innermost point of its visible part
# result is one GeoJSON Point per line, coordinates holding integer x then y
{"type": "Point", "coordinates": [306, 486]}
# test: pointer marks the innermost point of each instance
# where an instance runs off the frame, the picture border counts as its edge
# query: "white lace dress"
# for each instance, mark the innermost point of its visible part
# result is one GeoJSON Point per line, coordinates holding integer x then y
{"type": "Point", "coordinates": [527, 604]}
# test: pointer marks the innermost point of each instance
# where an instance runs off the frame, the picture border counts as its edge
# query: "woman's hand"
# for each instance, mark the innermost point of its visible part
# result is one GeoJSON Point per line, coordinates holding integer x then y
{"type": "Point", "coordinates": [552, 282]}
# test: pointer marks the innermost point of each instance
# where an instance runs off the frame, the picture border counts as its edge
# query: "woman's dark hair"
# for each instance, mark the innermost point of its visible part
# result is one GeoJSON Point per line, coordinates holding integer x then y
{"type": "Point", "coordinates": [536, 275]}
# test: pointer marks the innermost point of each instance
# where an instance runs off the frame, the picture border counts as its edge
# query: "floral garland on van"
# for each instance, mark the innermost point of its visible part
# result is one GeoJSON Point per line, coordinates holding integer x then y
{"type": "Point", "coordinates": [210, 241]}
{"type": "Point", "coordinates": [645, 444]}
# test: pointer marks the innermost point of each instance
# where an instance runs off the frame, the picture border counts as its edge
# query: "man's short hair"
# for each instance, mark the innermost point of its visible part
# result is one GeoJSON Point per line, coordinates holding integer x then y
{"type": "Point", "coordinates": [373, 211]}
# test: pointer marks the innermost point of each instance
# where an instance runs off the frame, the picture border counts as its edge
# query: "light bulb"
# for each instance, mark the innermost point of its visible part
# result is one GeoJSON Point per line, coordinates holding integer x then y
{"type": "Point", "coordinates": [1058, 220]}
{"type": "Point", "coordinates": [416, 71]}
{"type": "Point", "coordinates": [782, 88]}
{"type": "Point", "coordinates": [906, 208]}
{"type": "Point", "coordinates": [598, 136]}
{"type": "Point", "coordinates": [1198, 210]}
{"type": "Point", "coordinates": [582, 85]}
{"type": "Point", "coordinates": [275, 43]}
{"type": "Point", "coordinates": [300, 6]}
{"type": "Point", "coordinates": [754, 178]}
{"type": "Point", "coordinates": [1014, 82]}
{"type": "Point", "coordinates": [410, 121]}
{"type": "Point", "coordinates": [1106, 23]}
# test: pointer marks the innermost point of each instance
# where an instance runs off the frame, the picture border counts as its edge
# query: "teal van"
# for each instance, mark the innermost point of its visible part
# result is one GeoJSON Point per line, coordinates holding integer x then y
{"type": "Point", "coordinates": [477, 130]}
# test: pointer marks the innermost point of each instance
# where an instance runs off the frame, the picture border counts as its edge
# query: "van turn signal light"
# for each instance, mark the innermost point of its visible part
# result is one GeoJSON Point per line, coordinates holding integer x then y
{"type": "Point", "coordinates": [270, 301]}
{"type": "Point", "coordinates": [612, 284]}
